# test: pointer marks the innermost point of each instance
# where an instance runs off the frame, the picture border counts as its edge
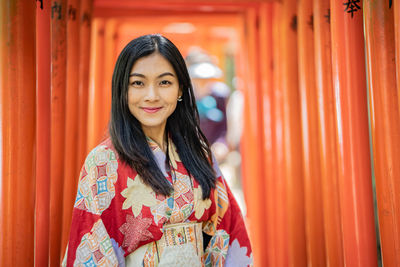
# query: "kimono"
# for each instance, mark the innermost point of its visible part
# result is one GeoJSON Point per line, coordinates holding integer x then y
{"type": "Point", "coordinates": [116, 215]}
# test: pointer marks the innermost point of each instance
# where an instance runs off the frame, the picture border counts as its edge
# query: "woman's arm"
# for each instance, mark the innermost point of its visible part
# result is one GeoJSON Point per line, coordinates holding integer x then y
{"type": "Point", "coordinates": [89, 243]}
{"type": "Point", "coordinates": [230, 244]}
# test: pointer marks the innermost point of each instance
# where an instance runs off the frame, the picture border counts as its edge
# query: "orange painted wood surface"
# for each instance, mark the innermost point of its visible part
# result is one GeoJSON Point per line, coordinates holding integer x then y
{"type": "Point", "coordinates": [71, 170]}
{"type": "Point", "coordinates": [252, 137]}
{"type": "Point", "coordinates": [267, 87]}
{"type": "Point", "coordinates": [279, 223]}
{"type": "Point", "coordinates": [292, 136]}
{"type": "Point", "coordinates": [306, 152]}
{"type": "Point", "coordinates": [110, 57]}
{"type": "Point", "coordinates": [85, 15]}
{"type": "Point", "coordinates": [385, 123]}
{"type": "Point", "coordinates": [396, 10]}
{"type": "Point", "coordinates": [349, 81]}
{"type": "Point", "coordinates": [96, 130]}
{"type": "Point", "coordinates": [327, 134]}
{"type": "Point", "coordinates": [314, 222]}
{"type": "Point", "coordinates": [43, 65]}
{"type": "Point", "coordinates": [18, 132]}
{"type": "Point", "coordinates": [58, 102]}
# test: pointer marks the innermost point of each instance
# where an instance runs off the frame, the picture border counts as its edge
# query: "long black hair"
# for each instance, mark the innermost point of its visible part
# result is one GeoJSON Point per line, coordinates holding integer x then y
{"type": "Point", "coordinates": [182, 125]}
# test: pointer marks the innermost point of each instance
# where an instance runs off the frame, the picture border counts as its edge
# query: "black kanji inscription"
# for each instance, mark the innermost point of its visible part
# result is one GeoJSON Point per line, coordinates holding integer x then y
{"type": "Point", "coordinates": [293, 23]}
{"type": "Point", "coordinates": [86, 18]}
{"type": "Point", "coordinates": [41, 3]}
{"type": "Point", "coordinates": [352, 6]}
{"type": "Point", "coordinates": [257, 22]}
{"type": "Point", "coordinates": [390, 3]}
{"type": "Point", "coordinates": [311, 22]}
{"type": "Point", "coordinates": [328, 16]}
{"type": "Point", "coordinates": [56, 8]}
{"type": "Point", "coordinates": [71, 12]}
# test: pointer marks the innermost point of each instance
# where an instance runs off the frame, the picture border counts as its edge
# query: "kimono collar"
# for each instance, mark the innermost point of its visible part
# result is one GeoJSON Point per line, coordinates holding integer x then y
{"type": "Point", "coordinates": [160, 155]}
{"type": "Point", "coordinates": [153, 145]}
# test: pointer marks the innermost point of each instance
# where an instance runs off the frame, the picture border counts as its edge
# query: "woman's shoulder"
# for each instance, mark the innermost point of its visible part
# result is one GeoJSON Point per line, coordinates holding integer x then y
{"type": "Point", "coordinates": [105, 146]}
{"type": "Point", "coordinates": [103, 153]}
{"type": "Point", "coordinates": [99, 173]}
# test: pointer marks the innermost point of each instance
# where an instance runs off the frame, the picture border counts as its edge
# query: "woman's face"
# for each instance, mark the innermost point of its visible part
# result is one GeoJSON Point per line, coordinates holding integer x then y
{"type": "Point", "coordinates": [153, 92]}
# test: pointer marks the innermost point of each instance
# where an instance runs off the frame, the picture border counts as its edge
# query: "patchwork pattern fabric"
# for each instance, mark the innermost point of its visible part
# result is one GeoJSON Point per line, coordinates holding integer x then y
{"type": "Point", "coordinates": [217, 249]}
{"type": "Point", "coordinates": [222, 204]}
{"type": "Point", "coordinates": [183, 198]}
{"type": "Point", "coordinates": [96, 248]}
{"type": "Point", "coordinates": [117, 215]}
{"type": "Point", "coordinates": [96, 184]}
{"type": "Point", "coordinates": [151, 257]}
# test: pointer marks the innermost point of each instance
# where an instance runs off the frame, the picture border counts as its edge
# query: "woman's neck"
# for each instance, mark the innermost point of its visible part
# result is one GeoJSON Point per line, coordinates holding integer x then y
{"type": "Point", "coordinates": [158, 137]}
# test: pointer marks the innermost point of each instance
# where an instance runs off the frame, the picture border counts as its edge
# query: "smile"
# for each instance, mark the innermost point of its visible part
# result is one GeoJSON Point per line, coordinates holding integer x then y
{"type": "Point", "coordinates": [151, 110]}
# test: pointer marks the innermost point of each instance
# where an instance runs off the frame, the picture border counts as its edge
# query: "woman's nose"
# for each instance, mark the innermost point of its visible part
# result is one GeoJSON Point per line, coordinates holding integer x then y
{"type": "Point", "coordinates": [151, 93]}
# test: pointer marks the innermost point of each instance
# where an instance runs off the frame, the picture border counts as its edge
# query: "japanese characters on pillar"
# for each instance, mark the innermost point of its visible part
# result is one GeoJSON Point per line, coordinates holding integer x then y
{"type": "Point", "coordinates": [71, 169]}
{"type": "Point", "coordinates": [354, 164]}
{"type": "Point", "coordinates": [58, 102]}
{"type": "Point", "coordinates": [43, 65]}
{"type": "Point", "coordinates": [351, 6]}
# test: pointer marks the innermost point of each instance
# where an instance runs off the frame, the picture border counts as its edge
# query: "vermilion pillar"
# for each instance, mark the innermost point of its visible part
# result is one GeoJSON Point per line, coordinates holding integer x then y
{"type": "Point", "coordinates": [349, 81]}
{"type": "Point", "coordinates": [58, 86]}
{"type": "Point", "coordinates": [85, 20]}
{"type": "Point", "coordinates": [252, 137]}
{"type": "Point", "coordinates": [267, 86]}
{"type": "Point", "coordinates": [278, 224]}
{"type": "Point", "coordinates": [327, 134]}
{"type": "Point", "coordinates": [71, 171]}
{"type": "Point", "coordinates": [396, 10]}
{"type": "Point", "coordinates": [18, 111]}
{"type": "Point", "coordinates": [43, 61]}
{"type": "Point", "coordinates": [109, 63]}
{"type": "Point", "coordinates": [292, 140]}
{"type": "Point", "coordinates": [385, 123]}
{"type": "Point", "coordinates": [96, 131]}
{"type": "Point", "coordinates": [314, 222]}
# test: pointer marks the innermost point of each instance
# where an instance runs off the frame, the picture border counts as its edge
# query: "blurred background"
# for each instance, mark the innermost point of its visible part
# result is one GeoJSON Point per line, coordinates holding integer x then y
{"type": "Point", "coordinates": [299, 99]}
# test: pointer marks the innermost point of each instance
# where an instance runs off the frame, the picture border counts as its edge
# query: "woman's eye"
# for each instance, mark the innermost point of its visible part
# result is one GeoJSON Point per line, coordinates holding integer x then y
{"type": "Point", "coordinates": [165, 82]}
{"type": "Point", "coordinates": [137, 83]}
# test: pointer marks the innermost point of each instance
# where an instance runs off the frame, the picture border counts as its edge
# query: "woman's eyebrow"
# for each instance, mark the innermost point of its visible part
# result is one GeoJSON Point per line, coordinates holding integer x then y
{"type": "Point", "coordinates": [159, 76]}
{"type": "Point", "coordinates": [166, 74]}
{"type": "Point", "coordinates": [137, 74]}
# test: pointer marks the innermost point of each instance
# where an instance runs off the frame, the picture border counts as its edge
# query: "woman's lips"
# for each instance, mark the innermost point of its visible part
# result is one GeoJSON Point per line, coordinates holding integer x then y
{"type": "Point", "coordinates": [151, 110]}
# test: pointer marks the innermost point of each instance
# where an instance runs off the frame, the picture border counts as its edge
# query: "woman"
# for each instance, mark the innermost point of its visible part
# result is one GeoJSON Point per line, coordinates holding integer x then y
{"type": "Point", "coordinates": [152, 194]}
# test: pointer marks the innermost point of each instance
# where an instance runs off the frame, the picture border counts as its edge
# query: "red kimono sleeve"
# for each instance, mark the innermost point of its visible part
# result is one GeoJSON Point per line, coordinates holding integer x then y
{"type": "Point", "coordinates": [89, 242]}
{"type": "Point", "coordinates": [230, 244]}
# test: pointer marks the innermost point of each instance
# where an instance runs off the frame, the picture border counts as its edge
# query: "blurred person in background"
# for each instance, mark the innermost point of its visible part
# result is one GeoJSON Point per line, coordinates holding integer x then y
{"type": "Point", "coordinates": [211, 98]}
{"type": "Point", "coordinates": [220, 115]}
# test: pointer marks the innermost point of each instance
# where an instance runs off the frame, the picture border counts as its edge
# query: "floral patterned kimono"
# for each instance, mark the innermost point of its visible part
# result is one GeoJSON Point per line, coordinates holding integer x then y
{"type": "Point", "coordinates": [117, 216]}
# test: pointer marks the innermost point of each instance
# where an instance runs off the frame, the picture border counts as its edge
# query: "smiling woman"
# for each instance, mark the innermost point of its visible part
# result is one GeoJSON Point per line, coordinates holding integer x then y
{"type": "Point", "coordinates": [153, 94]}
{"type": "Point", "coordinates": [152, 194]}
